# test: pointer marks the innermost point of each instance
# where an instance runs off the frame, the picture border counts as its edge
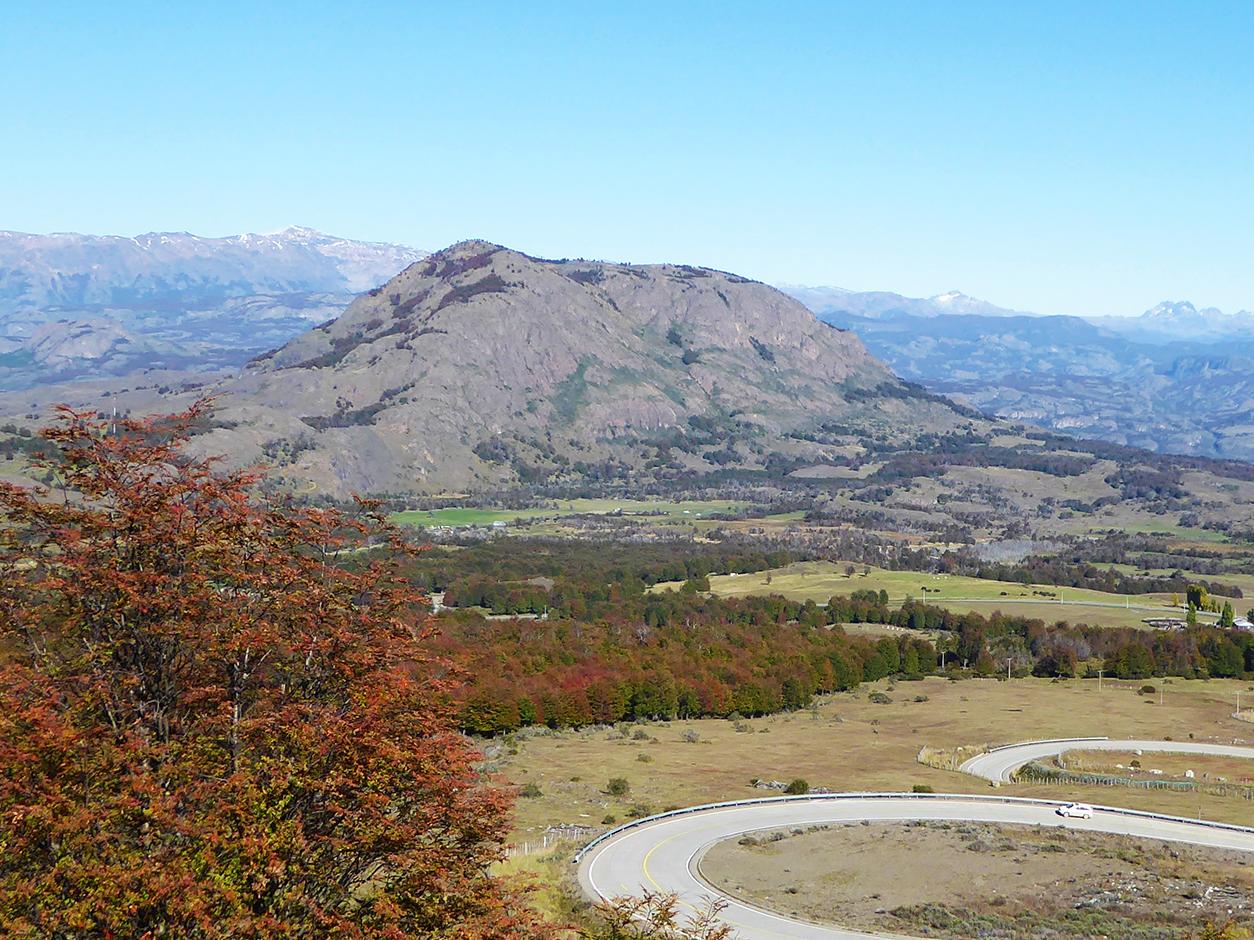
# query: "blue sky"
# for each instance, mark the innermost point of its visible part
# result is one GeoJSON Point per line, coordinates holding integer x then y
{"type": "Point", "coordinates": [1083, 158]}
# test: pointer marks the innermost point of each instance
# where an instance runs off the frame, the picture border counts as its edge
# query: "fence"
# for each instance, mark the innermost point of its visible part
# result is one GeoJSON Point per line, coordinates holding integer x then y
{"type": "Point", "coordinates": [550, 838]}
{"type": "Point", "coordinates": [949, 758]}
{"type": "Point", "coordinates": [1034, 772]}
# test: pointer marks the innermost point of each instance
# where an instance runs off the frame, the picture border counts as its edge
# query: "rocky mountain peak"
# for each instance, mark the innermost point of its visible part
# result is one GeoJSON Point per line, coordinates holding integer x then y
{"type": "Point", "coordinates": [480, 365]}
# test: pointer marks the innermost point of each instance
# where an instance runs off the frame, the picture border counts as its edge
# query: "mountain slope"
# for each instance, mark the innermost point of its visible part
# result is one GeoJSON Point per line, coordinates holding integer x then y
{"type": "Point", "coordinates": [208, 302]}
{"type": "Point", "coordinates": [1111, 382]}
{"type": "Point", "coordinates": [480, 366]}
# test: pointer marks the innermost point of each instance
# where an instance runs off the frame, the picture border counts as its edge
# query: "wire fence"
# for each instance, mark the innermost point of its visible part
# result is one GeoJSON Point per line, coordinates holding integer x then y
{"type": "Point", "coordinates": [1034, 772]}
{"type": "Point", "coordinates": [549, 839]}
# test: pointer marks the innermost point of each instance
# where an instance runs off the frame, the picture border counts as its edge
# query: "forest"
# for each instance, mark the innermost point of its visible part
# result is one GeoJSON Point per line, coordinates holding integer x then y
{"type": "Point", "coordinates": [633, 655]}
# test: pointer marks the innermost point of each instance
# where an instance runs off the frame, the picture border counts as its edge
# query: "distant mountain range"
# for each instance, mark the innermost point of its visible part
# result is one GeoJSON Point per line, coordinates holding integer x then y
{"type": "Point", "coordinates": [1175, 379]}
{"type": "Point", "coordinates": [94, 305]}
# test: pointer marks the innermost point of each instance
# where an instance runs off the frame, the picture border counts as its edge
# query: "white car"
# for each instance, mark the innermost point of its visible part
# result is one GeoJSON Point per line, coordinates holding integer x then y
{"type": "Point", "coordinates": [1076, 810]}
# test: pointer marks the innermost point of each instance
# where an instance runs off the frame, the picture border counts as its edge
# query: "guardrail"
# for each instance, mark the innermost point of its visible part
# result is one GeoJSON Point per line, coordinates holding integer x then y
{"type": "Point", "coordinates": [831, 797]}
{"type": "Point", "coordinates": [1003, 747]}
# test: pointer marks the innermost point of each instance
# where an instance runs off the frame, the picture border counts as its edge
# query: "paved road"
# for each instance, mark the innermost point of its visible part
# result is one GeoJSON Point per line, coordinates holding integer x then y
{"type": "Point", "coordinates": [1001, 764]}
{"type": "Point", "coordinates": [665, 854]}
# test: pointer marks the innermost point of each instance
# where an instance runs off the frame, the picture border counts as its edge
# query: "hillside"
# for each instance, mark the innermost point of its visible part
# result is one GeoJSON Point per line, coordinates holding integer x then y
{"type": "Point", "coordinates": [480, 367]}
{"type": "Point", "coordinates": [171, 299]}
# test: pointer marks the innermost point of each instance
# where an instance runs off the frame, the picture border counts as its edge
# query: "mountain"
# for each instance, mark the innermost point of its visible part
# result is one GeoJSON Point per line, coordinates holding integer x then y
{"type": "Point", "coordinates": [1175, 380]}
{"type": "Point", "coordinates": [880, 304]}
{"type": "Point", "coordinates": [1174, 321]}
{"type": "Point", "coordinates": [481, 367]}
{"type": "Point", "coordinates": [193, 300]}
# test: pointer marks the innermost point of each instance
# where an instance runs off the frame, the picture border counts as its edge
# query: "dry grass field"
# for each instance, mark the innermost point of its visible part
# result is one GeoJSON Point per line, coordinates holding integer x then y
{"type": "Point", "coordinates": [1002, 881]}
{"type": "Point", "coordinates": [849, 743]}
{"type": "Point", "coordinates": [1206, 769]}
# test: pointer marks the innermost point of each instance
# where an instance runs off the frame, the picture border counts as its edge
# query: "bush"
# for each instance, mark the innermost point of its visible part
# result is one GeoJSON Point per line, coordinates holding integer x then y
{"type": "Point", "coordinates": [922, 788]}
{"type": "Point", "coordinates": [644, 758]}
{"type": "Point", "coordinates": [639, 811]}
{"type": "Point", "coordinates": [530, 790]}
{"type": "Point", "coordinates": [618, 786]}
{"type": "Point", "coordinates": [691, 736]}
{"type": "Point", "coordinates": [879, 698]}
{"type": "Point", "coordinates": [609, 820]}
{"type": "Point", "coordinates": [1146, 690]}
{"type": "Point", "coordinates": [797, 787]}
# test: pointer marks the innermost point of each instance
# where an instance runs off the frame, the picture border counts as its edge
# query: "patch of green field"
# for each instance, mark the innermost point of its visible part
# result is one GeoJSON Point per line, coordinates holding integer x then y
{"type": "Point", "coordinates": [461, 516]}
{"type": "Point", "coordinates": [820, 580]}
{"type": "Point", "coordinates": [1156, 526]}
{"type": "Point", "coordinates": [654, 509]}
{"type": "Point", "coordinates": [1245, 582]}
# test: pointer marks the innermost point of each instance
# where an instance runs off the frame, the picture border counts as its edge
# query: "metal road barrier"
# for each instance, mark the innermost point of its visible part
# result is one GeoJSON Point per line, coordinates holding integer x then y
{"type": "Point", "coordinates": [829, 797]}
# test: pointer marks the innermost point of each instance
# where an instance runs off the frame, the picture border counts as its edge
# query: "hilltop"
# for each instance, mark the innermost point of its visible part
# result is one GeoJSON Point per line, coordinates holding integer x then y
{"type": "Point", "coordinates": [480, 367]}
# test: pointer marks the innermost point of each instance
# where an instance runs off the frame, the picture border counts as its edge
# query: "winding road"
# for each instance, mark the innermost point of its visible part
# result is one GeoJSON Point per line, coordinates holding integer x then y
{"type": "Point", "coordinates": [664, 853]}
{"type": "Point", "coordinates": [1001, 763]}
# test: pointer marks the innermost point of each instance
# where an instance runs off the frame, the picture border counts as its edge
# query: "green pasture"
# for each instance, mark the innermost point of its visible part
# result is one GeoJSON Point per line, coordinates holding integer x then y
{"type": "Point", "coordinates": [820, 580]}
{"type": "Point", "coordinates": [662, 510]}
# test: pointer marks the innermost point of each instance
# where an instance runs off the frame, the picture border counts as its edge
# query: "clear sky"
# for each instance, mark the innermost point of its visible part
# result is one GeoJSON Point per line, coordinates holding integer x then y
{"type": "Point", "coordinates": [1086, 158]}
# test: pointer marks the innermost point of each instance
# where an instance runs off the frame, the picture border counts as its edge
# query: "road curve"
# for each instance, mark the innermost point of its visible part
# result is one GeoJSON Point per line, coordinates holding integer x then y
{"type": "Point", "coordinates": [664, 853]}
{"type": "Point", "coordinates": [1000, 764]}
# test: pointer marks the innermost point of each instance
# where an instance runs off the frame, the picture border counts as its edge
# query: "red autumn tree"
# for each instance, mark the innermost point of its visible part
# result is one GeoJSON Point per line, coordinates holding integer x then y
{"type": "Point", "coordinates": [210, 728]}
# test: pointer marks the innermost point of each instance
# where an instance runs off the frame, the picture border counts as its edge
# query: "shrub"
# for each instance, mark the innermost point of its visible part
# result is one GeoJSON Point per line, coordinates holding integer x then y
{"type": "Point", "coordinates": [531, 791]}
{"type": "Point", "coordinates": [618, 786]}
{"type": "Point", "coordinates": [609, 819]}
{"type": "Point", "coordinates": [879, 698]}
{"type": "Point", "coordinates": [644, 758]}
{"type": "Point", "coordinates": [922, 788]}
{"type": "Point", "coordinates": [797, 787]}
{"type": "Point", "coordinates": [691, 736]}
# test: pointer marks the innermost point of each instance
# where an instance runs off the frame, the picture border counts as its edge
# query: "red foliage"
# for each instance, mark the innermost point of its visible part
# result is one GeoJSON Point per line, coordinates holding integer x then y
{"type": "Point", "coordinates": [210, 729]}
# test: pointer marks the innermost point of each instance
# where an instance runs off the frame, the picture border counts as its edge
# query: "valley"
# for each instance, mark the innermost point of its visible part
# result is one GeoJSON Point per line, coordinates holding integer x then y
{"type": "Point", "coordinates": [682, 532]}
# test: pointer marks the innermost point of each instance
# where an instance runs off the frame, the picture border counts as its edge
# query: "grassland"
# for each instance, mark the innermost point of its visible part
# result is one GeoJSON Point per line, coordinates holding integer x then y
{"type": "Point", "coordinates": [989, 881]}
{"type": "Point", "coordinates": [850, 743]}
{"type": "Point", "coordinates": [820, 580]}
{"type": "Point", "coordinates": [1170, 766]}
{"type": "Point", "coordinates": [658, 510]}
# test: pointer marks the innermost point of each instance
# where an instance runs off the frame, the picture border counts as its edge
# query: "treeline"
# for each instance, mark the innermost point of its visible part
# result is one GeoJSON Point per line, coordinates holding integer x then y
{"type": "Point", "coordinates": [696, 657]}
{"type": "Point", "coordinates": [15, 441]}
{"type": "Point", "coordinates": [1060, 573]}
{"type": "Point", "coordinates": [984, 644]}
{"type": "Point", "coordinates": [576, 579]}
{"type": "Point", "coordinates": [908, 465]}
{"type": "Point", "coordinates": [681, 654]}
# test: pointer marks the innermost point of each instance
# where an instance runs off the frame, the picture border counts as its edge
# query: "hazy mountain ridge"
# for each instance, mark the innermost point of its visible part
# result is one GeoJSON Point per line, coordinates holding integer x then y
{"type": "Point", "coordinates": [880, 304]}
{"type": "Point", "coordinates": [1176, 379]}
{"type": "Point", "coordinates": [187, 300]}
